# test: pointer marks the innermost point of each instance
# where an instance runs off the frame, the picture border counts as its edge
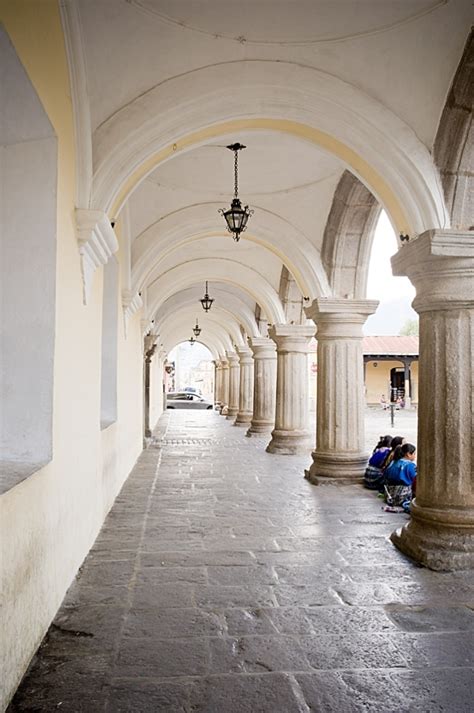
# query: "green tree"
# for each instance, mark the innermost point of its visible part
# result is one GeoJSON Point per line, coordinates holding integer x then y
{"type": "Point", "coordinates": [410, 328]}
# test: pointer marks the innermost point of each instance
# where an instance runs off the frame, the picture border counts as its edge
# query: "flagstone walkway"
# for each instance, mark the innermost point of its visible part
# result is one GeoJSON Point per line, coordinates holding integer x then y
{"type": "Point", "coordinates": [223, 582]}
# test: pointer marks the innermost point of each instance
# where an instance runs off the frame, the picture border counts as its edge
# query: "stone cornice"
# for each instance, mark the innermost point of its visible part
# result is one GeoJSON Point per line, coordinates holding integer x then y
{"type": "Point", "coordinates": [291, 337]}
{"type": "Point", "coordinates": [346, 309]}
{"type": "Point", "coordinates": [131, 303]}
{"type": "Point", "coordinates": [440, 263]}
{"type": "Point", "coordinates": [97, 243]}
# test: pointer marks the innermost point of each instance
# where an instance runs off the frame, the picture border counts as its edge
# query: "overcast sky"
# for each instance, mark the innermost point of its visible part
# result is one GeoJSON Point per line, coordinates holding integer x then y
{"type": "Point", "coordinates": [394, 293]}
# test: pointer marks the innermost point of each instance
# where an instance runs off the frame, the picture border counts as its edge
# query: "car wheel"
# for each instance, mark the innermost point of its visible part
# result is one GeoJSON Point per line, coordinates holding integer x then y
{"type": "Point", "coordinates": [209, 407]}
{"type": "Point", "coordinates": [170, 407]}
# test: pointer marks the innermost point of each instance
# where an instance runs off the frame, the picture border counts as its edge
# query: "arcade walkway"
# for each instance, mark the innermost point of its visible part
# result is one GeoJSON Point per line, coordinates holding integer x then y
{"type": "Point", "coordinates": [223, 582]}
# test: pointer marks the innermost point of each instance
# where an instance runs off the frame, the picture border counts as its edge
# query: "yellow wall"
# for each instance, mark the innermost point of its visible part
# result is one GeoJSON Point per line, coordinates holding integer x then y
{"type": "Point", "coordinates": [49, 521]}
{"type": "Point", "coordinates": [377, 380]}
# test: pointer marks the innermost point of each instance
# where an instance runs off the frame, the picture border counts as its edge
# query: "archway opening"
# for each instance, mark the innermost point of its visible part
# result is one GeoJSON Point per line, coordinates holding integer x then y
{"type": "Point", "coordinates": [193, 370]}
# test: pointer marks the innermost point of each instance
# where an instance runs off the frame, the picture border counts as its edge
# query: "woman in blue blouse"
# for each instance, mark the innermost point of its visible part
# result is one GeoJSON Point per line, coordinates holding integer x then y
{"type": "Point", "coordinates": [400, 476]}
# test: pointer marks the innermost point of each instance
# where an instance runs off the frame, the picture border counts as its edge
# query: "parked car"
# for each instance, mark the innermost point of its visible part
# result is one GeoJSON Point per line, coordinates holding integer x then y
{"type": "Point", "coordinates": [184, 399]}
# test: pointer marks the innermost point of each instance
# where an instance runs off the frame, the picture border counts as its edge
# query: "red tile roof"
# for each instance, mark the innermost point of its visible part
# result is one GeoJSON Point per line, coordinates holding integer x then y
{"type": "Point", "coordinates": [403, 346]}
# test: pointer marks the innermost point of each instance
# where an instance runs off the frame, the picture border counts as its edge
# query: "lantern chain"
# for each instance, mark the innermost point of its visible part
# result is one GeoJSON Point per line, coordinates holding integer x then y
{"type": "Point", "coordinates": [236, 173]}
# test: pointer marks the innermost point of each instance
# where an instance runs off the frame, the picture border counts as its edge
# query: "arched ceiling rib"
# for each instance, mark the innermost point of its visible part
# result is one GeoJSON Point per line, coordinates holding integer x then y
{"type": "Point", "coordinates": [174, 232]}
{"type": "Point", "coordinates": [198, 271]}
{"type": "Point", "coordinates": [230, 304]}
{"type": "Point", "coordinates": [348, 237]}
{"type": "Point", "coordinates": [372, 141]}
{"type": "Point", "coordinates": [217, 323]}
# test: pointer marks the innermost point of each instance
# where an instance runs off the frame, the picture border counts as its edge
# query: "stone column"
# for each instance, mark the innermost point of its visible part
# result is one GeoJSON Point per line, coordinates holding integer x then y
{"type": "Point", "coordinates": [218, 383]}
{"type": "Point", "coordinates": [225, 386]}
{"type": "Point", "coordinates": [234, 379]}
{"type": "Point", "coordinates": [245, 413]}
{"type": "Point", "coordinates": [264, 386]}
{"type": "Point", "coordinates": [291, 433]}
{"type": "Point", "coordinates": [149, 350]}
{"type": "Point", "coordinates": [340, 434]}
{"type": "Point", "coordinates": [440, 533]}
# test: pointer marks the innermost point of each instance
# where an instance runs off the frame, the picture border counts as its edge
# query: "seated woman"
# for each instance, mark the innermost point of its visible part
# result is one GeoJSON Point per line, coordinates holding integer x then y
{"type": "Point", "coordinates": [400, 476]}
{"type": "Point", "coordinates": [374, 476]}
{"type": "Point", "coordinates": [396, 441]}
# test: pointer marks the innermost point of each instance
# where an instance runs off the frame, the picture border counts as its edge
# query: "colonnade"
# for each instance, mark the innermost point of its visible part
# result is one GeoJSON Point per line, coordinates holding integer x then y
{"type": "Point", "coordinates": [265, 387]}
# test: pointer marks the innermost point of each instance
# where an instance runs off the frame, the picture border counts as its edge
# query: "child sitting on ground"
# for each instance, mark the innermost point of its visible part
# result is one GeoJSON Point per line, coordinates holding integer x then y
{"type": "Point", "coordinates": [400, 476]}
{"type": "Point", "coordinates": [374, 476]}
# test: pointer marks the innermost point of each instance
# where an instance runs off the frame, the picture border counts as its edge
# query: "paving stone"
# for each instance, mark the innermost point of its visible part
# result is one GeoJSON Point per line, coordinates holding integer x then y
{"type": "Point", "coordinates": [271, 693]}
{"type": "Point", "coordinates": [237, 586]}
{"type": "Point", "coordinates": [160, 658]}
{"type": "Point", "coordinates": [353, 650]}
{"type": "Point", "coordinates": [212, 597]}
{"type": "Point", "coordinates": [163, 595]}
{"type": "Point", "coordinates": [257, 574]}
{"type": "Point", "coordinates": [167, 697]}
{"type": "Point", "coordinates": [426, 619]}
{"type": "Point", "coordinates": [256, 654]}
{"type": "Point", "coordinates": [172, 623]}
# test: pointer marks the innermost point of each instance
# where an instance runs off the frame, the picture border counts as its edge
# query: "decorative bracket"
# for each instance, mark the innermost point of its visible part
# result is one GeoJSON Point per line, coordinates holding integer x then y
{"type": "Point", "coordinates": [97, 242]}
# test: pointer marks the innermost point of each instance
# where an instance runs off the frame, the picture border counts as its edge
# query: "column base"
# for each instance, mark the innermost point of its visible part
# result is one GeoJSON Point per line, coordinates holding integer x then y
{"type": "Point", "coordinates": [442, 540]}
{"type": "Point", "coordinates": [260, 428]}
{"type": "Point", "coordinates": [232, 413]}
{"type": "Point", "coordinates": [243, 419]}
{"type": "Point", "coordinates": [289, 443]}
{"type": "Point", "coordinates": [340, 468]}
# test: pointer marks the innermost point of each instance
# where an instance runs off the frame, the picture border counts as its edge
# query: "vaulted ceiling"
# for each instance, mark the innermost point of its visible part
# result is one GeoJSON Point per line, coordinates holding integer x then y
{"type": "Point", "coordinates": [316, 90]}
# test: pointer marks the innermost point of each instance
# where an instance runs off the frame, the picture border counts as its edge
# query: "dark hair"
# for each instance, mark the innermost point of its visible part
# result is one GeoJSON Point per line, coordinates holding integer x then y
{"type": "Point", "coordinates": [402, 450]}
{"type": "Point", "coordinates": [384, 442]}
{"type": "Point", "coordinates": [396, 441]}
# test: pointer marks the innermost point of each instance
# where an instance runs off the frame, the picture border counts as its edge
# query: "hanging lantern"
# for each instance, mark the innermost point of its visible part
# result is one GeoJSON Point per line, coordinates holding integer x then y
{"type": "Point", "coordinates": [236, 217]}
{"type": "Point", "coordinates": [192, 340]}
{"type": "Point", "coordinates": [197, 329]}
{"type": "Point", "coordinates": [206, 301]}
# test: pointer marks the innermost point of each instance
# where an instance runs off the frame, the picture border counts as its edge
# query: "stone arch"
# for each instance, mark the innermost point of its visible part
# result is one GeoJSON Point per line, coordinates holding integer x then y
{"type": "Point", "coordinates": [235, 308]}
{"type": "Point", "coordinates": [348, 237]}
{"type": "Point", "coordinates": [454, 144]}
{"type": "Point", "coordinates": [291, 298]}
{"type": "Point", "coordinates": [197, 271]}
{"type": "Point", "coordinates": [174, 231]}
{"type": "Point", "coordinates": [28, 148]}
{"type": "Point", "coordinates": [218, 322]}
{"type": "Point", "coordinates": [174, 116]}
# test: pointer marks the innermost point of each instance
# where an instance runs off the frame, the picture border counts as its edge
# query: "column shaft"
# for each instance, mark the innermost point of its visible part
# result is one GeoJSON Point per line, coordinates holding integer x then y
{"type": "Point", "coordinates": [225, 387]}
{"type": "Point", "coordinates": [440, 533]}
{"type": "Point", "coordinates": [291, 433]}
{"type": "Point", "coordinates": [264, 386]}
{"type": "Point", "coordinates": [245, 412]}
{"type": "Point", "coordinates": [234, 379]}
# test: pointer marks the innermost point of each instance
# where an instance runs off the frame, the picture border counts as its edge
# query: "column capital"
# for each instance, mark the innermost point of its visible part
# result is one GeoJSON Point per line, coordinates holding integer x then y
{"type": "Point", "coordinates": [244, 354]}
{"type": "Point", "coordinates": [262, 347]}
{"type": "Point", "coordinates": [440, 263]}
{"type": "Point", "coordinates": [324, 309]}
{"type": "Point", "coordinates": [232, 358]}
{"type": "Point", "coordinates": [292, 337]}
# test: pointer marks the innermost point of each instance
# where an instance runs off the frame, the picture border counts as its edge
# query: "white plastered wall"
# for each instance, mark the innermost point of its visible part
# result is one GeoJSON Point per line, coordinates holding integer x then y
{"type": "Point", "coordinates": [49, 521]}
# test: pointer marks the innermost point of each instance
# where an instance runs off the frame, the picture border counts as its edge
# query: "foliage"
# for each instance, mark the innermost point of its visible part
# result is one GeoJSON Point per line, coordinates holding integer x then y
{"type": "Point", "coordinates": [410, 328]}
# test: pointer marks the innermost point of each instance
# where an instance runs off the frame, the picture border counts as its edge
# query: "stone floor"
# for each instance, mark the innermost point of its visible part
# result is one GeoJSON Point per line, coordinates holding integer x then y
{"type": "Point", "coordinates": [224, 582]}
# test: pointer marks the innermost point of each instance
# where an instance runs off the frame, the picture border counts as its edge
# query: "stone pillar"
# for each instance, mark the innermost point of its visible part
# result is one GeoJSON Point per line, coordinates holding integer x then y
{"type": "Point", "coordinates": [340, 435]}
{"type": "Point", "coordinates": [245, 413]}
{"type": "Point", "coordinates": [440, 533]}
{"type": "Point", "coordinates": [291, 433]}
{"type": "Point", "coordinates": [149, 350]}
{"type": "Point", "coordinates": [264, 386]}
{"type": "Point", "coordinates": [234, 380]}
{"type": "Point", "coordinates": [218, 383]}
{"type": "Point", "coordinates": [225, 387]}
